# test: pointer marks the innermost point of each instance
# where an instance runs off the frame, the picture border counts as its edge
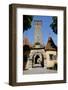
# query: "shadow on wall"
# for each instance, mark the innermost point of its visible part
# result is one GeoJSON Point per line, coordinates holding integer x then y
{"type": "Point", "coordinates": [26, 52]}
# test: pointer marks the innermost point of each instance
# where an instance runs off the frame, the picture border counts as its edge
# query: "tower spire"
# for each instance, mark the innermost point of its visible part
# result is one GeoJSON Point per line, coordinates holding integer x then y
{"type": "Point", "coordinates": [38, 33]}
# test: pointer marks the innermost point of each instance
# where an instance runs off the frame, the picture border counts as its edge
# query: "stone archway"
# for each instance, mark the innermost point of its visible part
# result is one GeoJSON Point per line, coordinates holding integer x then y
{"type": "Point", "coordinates": [38, 60]}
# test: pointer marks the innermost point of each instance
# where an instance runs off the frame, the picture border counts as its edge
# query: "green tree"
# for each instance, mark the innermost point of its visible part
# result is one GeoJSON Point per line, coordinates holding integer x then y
{"type": "Point", "coordinates": [53, 25]}
{"type": "Point", "coordinates": [27, 20]}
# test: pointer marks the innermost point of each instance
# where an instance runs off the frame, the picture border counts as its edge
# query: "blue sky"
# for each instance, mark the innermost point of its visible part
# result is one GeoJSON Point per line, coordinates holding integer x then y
{"type": "Point", "coordinates": [45, 29]}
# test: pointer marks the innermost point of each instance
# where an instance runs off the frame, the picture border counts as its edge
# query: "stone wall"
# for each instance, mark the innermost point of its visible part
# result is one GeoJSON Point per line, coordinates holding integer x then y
{"type": "Point", "coordinates": [46, 60]}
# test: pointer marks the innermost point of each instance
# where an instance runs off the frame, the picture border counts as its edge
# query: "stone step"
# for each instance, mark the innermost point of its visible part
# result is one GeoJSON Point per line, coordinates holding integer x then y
{"type": "Point", "coordinates": [37, 65]}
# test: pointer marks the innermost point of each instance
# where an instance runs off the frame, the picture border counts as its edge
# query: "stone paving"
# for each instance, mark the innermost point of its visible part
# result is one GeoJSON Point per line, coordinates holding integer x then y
{"type": "Point", "coordinates": [39, 70]}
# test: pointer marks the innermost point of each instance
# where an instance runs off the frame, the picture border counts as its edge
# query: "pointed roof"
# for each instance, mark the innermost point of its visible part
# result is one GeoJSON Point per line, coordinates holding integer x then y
{"type": "Point", "coordinates": [50, 45]}
{"type": "Point", "coordinates": [26, 42]}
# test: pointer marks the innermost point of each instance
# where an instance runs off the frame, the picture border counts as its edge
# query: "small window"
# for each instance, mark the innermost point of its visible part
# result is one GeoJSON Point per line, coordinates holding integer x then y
{"type": "Point", "coordinates": [55, 57]}
{"type": "Point", "coordinates": [51, 56]}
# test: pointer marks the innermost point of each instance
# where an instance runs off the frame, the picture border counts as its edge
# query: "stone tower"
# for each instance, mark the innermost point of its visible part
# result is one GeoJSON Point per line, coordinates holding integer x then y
{"type": "Point", "coordinates": [38, 33]}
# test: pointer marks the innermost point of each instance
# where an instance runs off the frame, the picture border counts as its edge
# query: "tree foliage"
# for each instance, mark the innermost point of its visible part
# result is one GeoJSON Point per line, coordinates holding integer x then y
{"type": "Point", "coordinates": [27, 19]}
{"type": "Point", "coordinates": [53, 25]}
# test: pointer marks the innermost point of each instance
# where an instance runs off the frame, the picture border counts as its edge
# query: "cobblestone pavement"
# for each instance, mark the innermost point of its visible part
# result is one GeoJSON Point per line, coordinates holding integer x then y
{"type": "Point", "coordinates": [39, 70]}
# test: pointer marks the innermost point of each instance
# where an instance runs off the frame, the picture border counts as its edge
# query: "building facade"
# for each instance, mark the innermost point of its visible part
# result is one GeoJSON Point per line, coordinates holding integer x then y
{"type": "Point", "coordinates": [45, 57]}
{"type": "Point", "coordinates": [38, 55]}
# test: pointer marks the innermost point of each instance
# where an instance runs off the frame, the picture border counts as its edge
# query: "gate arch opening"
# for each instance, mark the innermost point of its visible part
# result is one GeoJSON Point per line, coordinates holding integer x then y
{"type": "Point", "coordinates": [38, 60]}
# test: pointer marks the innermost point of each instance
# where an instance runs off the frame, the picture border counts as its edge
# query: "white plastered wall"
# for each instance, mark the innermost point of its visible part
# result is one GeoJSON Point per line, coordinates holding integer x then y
{"type": "Point", "coordinates": [50, 63]}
